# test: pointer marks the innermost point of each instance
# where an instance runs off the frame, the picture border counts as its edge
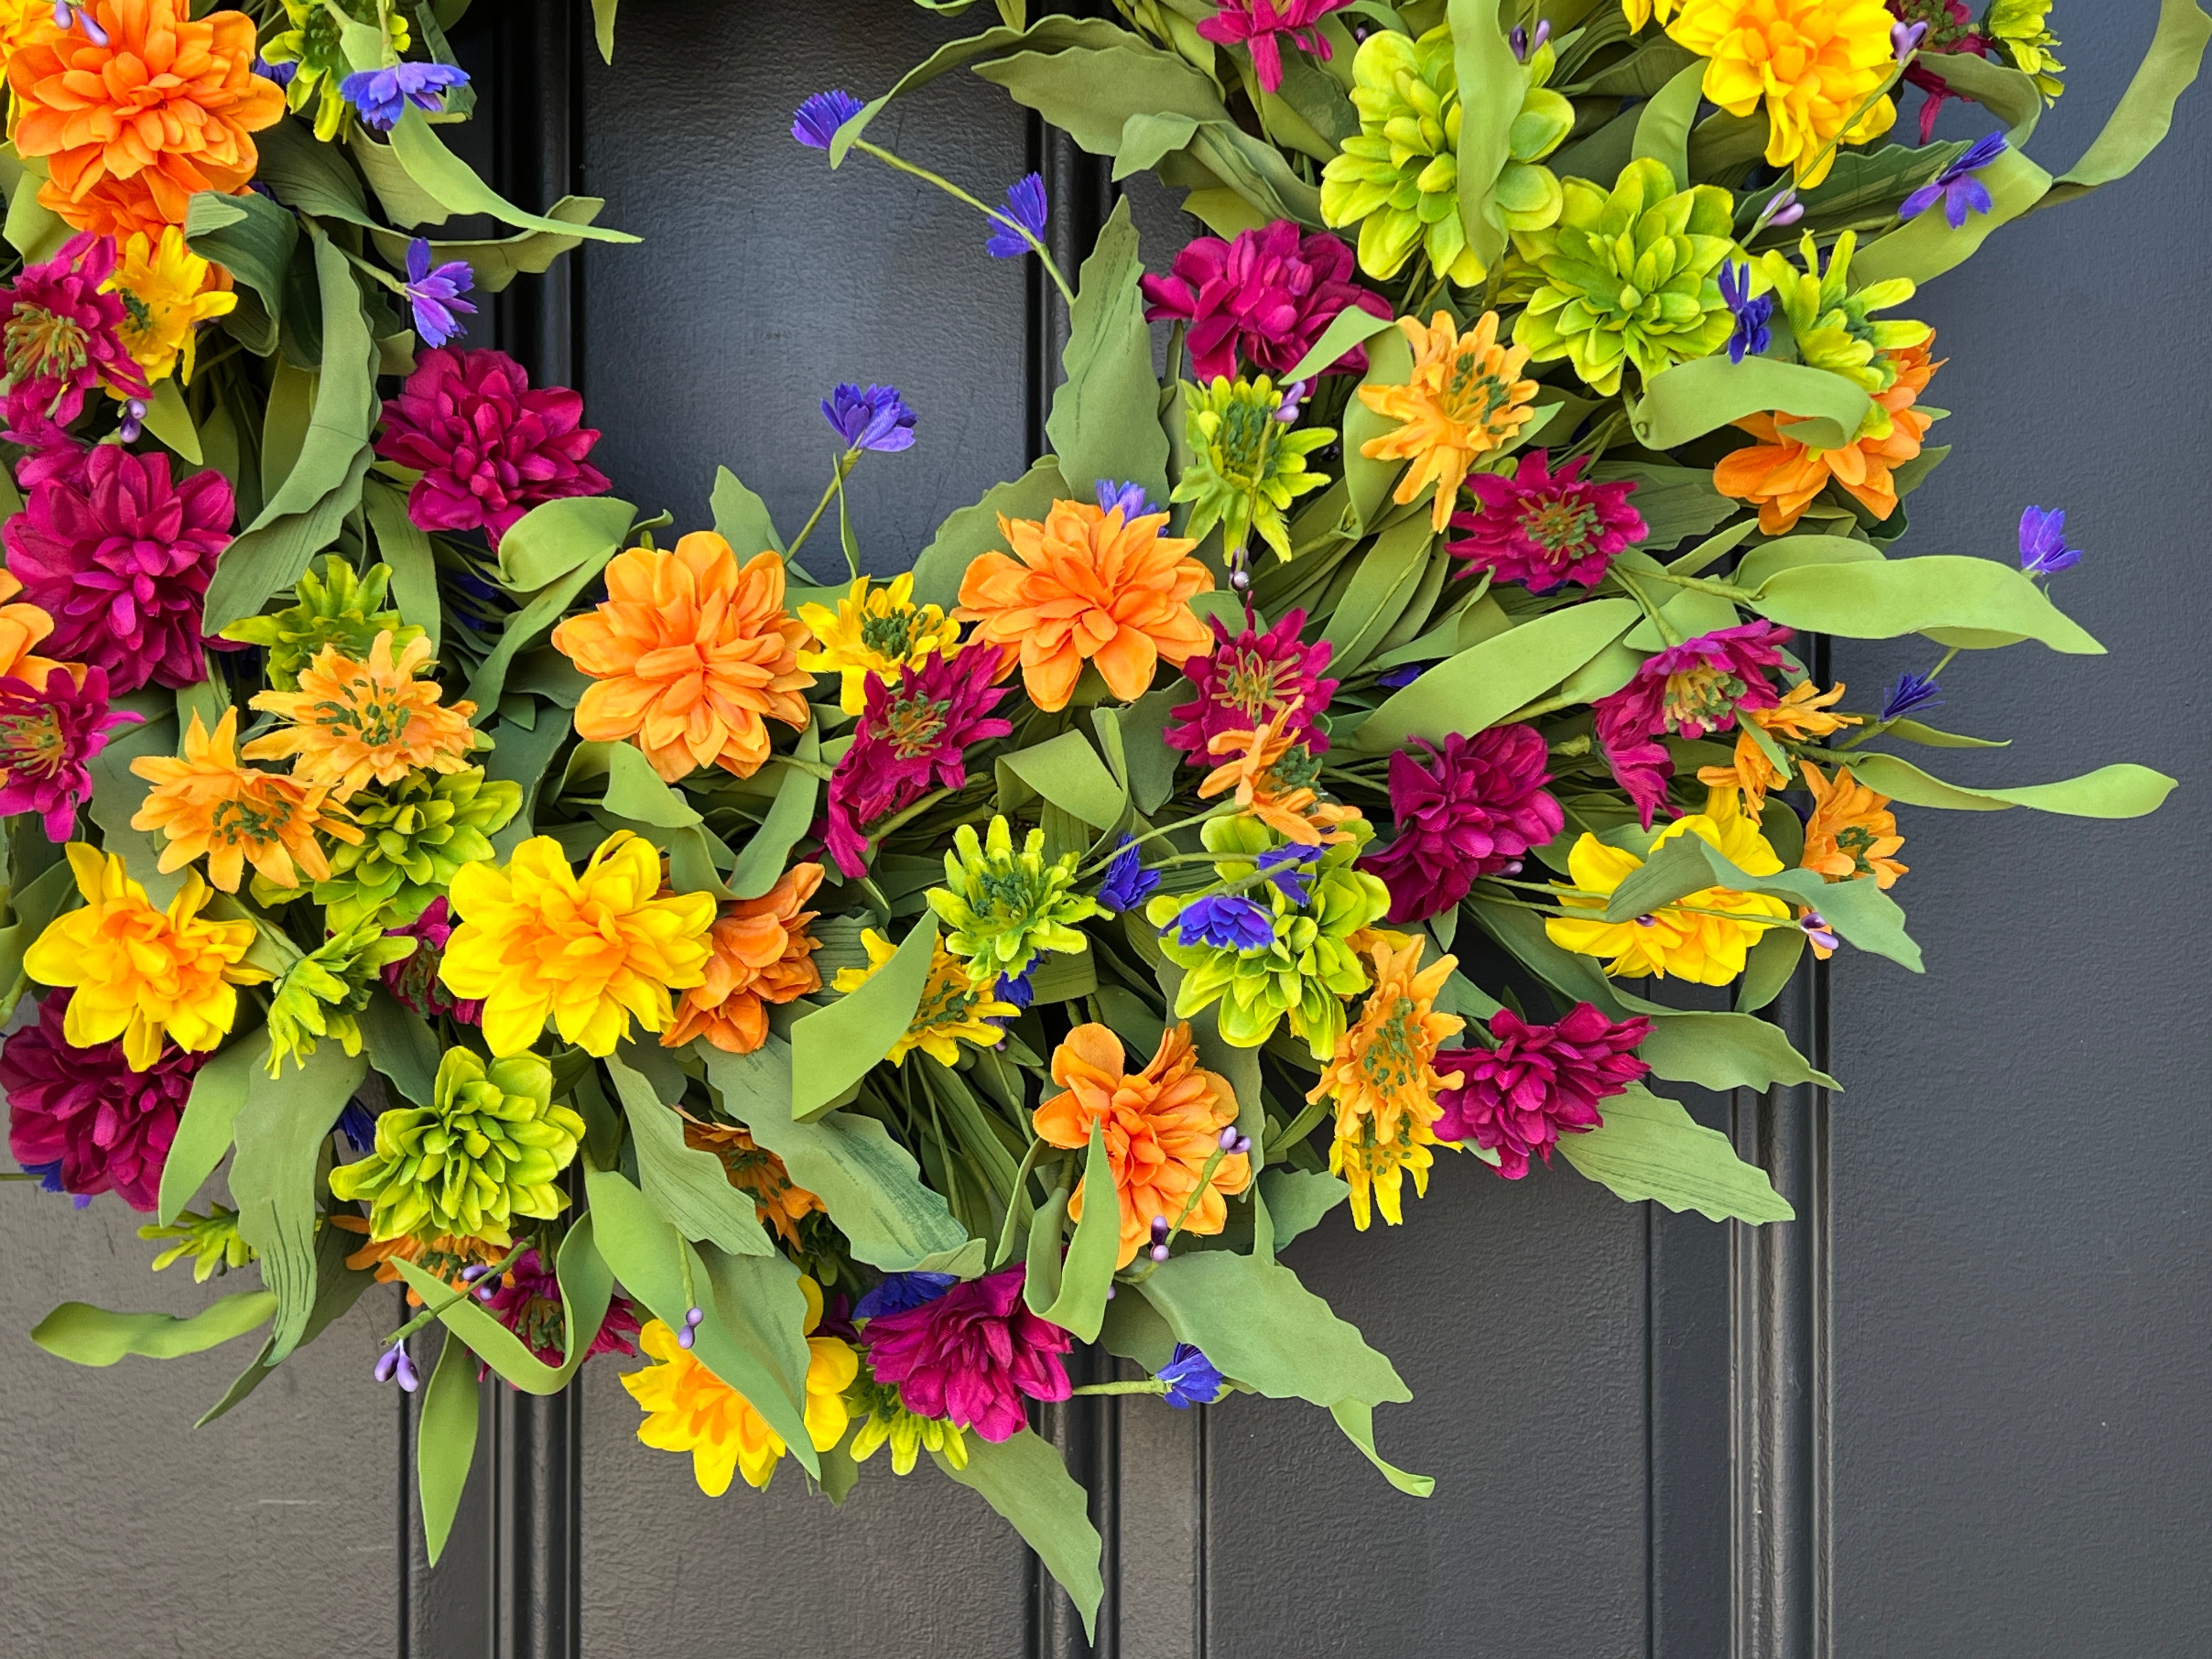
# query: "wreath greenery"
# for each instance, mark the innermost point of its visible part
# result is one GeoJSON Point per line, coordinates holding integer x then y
{"type": "Point", "coordinates": [853, 995]}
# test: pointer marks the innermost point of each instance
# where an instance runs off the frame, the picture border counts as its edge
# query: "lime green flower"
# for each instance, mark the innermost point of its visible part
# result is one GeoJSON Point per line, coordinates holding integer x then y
{"type": "Point", "coordinates": [339, 608]}
{"type": "Point", "coordinates": [321, 992]}
{"type": "Point", "coordinates": [313, 43]}
{"type": "Point", "coordinates": [883, 1417]}
{"type": "Point", "coordinates": [2019, 27]}
{"type": "Point", "coordinates": [1006, 907]}
{"type": "Point", "coordinates": [484, 1150]}
{"type": "Point", "coordinates": [1629, 276]}
{"type": "Point", "coordinates": [1832, 326]}
{"type": "Point", "coordinates": [1247, 464]}
{"type": "Point", "coordinates": [212, 1241]}
{"type": "Point", "coordinates": [417, 834]}
{"type": "Point", "coordinates": [1311, 966]}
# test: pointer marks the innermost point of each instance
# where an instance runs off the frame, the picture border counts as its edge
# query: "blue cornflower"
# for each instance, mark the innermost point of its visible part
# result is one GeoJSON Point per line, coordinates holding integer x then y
{"type": "Point", "coordinates": [1400, 677]}
{"type": "Point", "coordinates": [1027, 207]}
{"type": "Point", "coordinates": [1912, 691]}
{"type": "Point", "coordinates": [380, 96]}
{"type": "Point", "coordinates": [900, 1292]}
{"type": "Point", "coordinates": [436, 293]}
{"type": "Point", "coordinates": [1020, 990]}
{"type": "Point", "coordinates": [282, 74]}
{"type": "Point", "coordinates": [820, 116]}
{"type": "Point", "coordinates": [1752, 336]}
{"type": "Point", "coordinates": [1127, 883]}
{"type": "Point", "coordinates": [49, 1174]}
{"type": "Point", "coordinates": [1129, 496]}
{"type": "Point", "coordinates": [1191, 1378]}
{"type": "Point", "coordinates": [2042, 549]}
{"type": "Point", "coordinates": [877, 418]}
{"type": "Point", "coordinates": [1224, 920]}
{"type": "Point", "coordinates": [358, 1125]}
{"type": "Point", "coordinates": [1961, 192]}
{"type": "Point", "coordinates": [1287, 867]}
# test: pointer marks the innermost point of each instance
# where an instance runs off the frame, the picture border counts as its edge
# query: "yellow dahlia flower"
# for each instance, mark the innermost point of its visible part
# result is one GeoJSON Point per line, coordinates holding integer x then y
{"type": "Point", "coordinates": [143, 975]}
{"type": "Point", "coordinates": [879, 631]}
{"type": "Point", "coordinates": [1640, 12]}
{"type": "Point", "coordinates": [166, 297]}
{"type": "Point", "coordinates": [351, 724]}
{"type": "Point", "coordinates": [1813, 63]}
{"type": "Point", "coordinates": [1697, 937]}
{"type": "Point", "coordinates": [589, 950]}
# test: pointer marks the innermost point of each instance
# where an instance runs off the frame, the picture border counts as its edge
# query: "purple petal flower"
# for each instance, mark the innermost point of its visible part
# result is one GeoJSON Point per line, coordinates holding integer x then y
{"type": "Point", "coordinates": [972, 1355]}
{"type": "Point", "coordinates": [1129, 496]}
{"type": "Point", "coordinates": [1752, 335]}
{"type": "Point", "coordinates": [876, 418]}
{"type": "Point", "coordinates": [1265, 298]}
{"type": "Point", "coordinates": [1905, 38]}
{"type": "Point", "coordinates": [1019, 989]}
{"type": "Point", "coordinates": [820, 116]}
{"type": "Point", "coordinates": [436, 293]}
{"type": "Point", "coordinates": [1398, 678]}
{"type": "Point", "coordinates": [1912, 691]}
{"type": "Point", "coordinates": [897, 1292]}
{"type": "Point", "coordinates": [1127, 883]}
{"type": "Point", "coordinates": [1537, 1083]}
{"type": "Point", "coordinates": [1287, 869]}
{"type": "Point", "coordinates": [2042, 549]}
{"type": "Point", "coordinates": [1027, 207]}
{"type": "Point", "coordinates": [1473, 807]}
{"type": "Point", "coordinates": [1962, 192]}
{"type": "Point", "coordinates": [1816, 929]}
{"type": "Point", "coordinates": [1225, 920]}
{"type": "Point", "coordinates": [1191, 1378]}
{"type": "Point", "coordinates": [358, 1125]}
{"type": "Point", "coordinates": [380, 96]}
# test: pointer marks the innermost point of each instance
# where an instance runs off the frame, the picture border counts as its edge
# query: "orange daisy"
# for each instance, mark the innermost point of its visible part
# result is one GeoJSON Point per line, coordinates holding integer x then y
{"type": "Point", "coordinates": [442, 1256]}
{"type": "Point", "coordinates": [209, 805]}
{"type": "Point", "coordinates": [1782, 476]}
{"type": "Point", "coordinates": [1852, 832]}
{"type": "Point", "coordinates": [1084, 586]}
{"type": "Point", "coordinates": [133, 126]}
{"type": "Point", "coordinates": [754, 1169]}
{"type": "Point", "coordinates": [1465, 398]}
{"type": "Point", "coordinates": [1267, 770]}
{"type": "Point", "coordinates": [1804, 712]}
{"type": "Point", "coordinates": [762, 954]}
{"type": "Point", "coordinates": [1162, 1125]}
{"type": "Point", "coordinates": [1750, 772]}
{"type": "Point", "coordinates": [353, 724]}
{"type": "Point", "coordinates": [691, 656]}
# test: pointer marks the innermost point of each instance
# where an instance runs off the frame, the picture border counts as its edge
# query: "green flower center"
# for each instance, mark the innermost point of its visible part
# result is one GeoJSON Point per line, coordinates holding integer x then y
{"type": "Point", "coordinates": [1858, 841]}
{"type": "Point", "coordinates": [1242, 443]}
{"type": "Point", "coordinates": [1472, 393]}
{"type": "Point", "coordinates": [1558, 524]}
{"type": "Point", "coordinates": [890, 635]}
{"type": "Point", "coordinates": [240, 822]}
{"type": "Point", "coordinates": [1703, 696]}
{"type": "Point", "coordinates": [41, 345]}
{"type": "Point", "coordinates": [1297, 769]}
{"type": "Point", "coordinates": [1387, 1062]}
{"type": "Point", "coordinates": [1251, 684]}
{"type": "Point", "coordinates": [34, 743]}
{"type": "Point", "coordinates": [915, 726]}
{"type": "Point", "coordinates": [377, 716]}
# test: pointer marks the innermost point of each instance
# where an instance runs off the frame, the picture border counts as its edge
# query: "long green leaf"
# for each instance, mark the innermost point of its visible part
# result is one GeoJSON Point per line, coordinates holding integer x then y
{"type": "Point", "coordinates": [78, 1332]}
{"type": "Point", "coordinates": [1263, 1328]}
{"type": "Point", "coordinates": [1104, 423]}
{"type": "Point", "coordinates": [586, 1288]}
{"type": "Point", "coordinates": [1025, 1481]}
{"type": "Point", "coordinates": [2145, 113]}
{"type": "Point", "coordinates": [2120, 791]}
{"type": "Point", "coordinates": [762, 861]}
{"type": "Point", "coordinates": [1662, 129]}
{"type": "Point", "coordinates": [688, 1187]}
{"type": "Point", "coordinates": [337, 1287]}
{"type": "Point", "coordinates": [1492, 84]}
{"type": "Point", "coordinates": [454, 184]}
{"type": "Point", "coordinates": [1883, 599]}
{"type": "Point", "coordinates": [1066, 771]}
{"type": "Point", "coordinates": [974, 530]}
{"type": "Point", "coordinates": [281, 1128]}
{"type": "Point", "coordinates": [446, 1441]}
{"type": "Point", "coordinates": [1479, 687]}
{"type": "Point", "coordinates": [834, 1048]}
{"type": "Point", "coordinates": [1092, 1253]}
{"type": "Point", "coordinates": [1650, 1147]}
{"type": "Point", "coordinates": [1704, 395]}
{"type": "Point", "coordinates": [556, 538]}
{"type": "Point", "coordinates": [204, 1133]}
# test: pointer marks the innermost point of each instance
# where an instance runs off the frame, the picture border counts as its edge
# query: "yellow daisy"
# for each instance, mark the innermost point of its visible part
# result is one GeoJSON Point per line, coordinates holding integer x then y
{"type": "Point", "coordinates": [166, 295]}
{"type": "Point", "coordinates": [875, 630]}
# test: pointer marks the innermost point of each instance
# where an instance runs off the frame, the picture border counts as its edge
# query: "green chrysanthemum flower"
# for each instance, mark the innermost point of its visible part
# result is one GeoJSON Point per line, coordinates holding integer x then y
{"type": "Point", "coordinates": [485, 1150]}
{"type": "Point", "coordinates": [1831, 324]}
{"type": "Point", "coordinates": [321, 992]}
{"type": "Point", "coordinates": [1311, 967]}
{"type": "Point", "coordinates": [417, 834]}
{"type": "Point", "coordinates": [1629, 276]}
{"type": "Point", "coordinates": [1398, 177]}
{"type": "Point", "coordinates": [2019, 29]}
{"type": "Point", "coordinates": [313, 43]}
{"type": "Point", "coordinates": [1005, 907]}
{"type": "Point", "coordinates": [212, 1241]}
{"type": "Point", "coordinates": [339, 608]}
{"type": "Point", "coordinates": [883, 1418]}
{"type": "Point", "coordinates": [1246, 466]}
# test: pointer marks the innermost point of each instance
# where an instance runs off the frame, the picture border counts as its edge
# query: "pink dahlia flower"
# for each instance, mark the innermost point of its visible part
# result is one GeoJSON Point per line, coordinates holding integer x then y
{"type": "Point", "coordinates": [489, 448]}
{"type": "Point", "coordinates": [1540, 1082]}
{"type": "Point", "coordinates": [63, 340]}
{"type": "Point", "coordinates": [1246, 681]}
{"type": "Point", "coordinates": [414, 981]}
{"type": "Point", "coordinates": [1691, 689]}
{"type": "Point", "coordinates": [1266, 297]}
{"type": "Point", "coordinates": [47, 734]}
{"type": "Point", "coordinates": [1541, 528]}
{"type": "Point", "coordinates": [120, 559]}
{"type": "Point", "coordinates": [82, 1118]}
{"type": "Point", "coordinates": [1478, 806]}
{"type": "Point", "coordinates": [527, 1301]}
{"type": "Point", "coordinates": [971, 1354]}
{"type": "Point", "coordinates": [1256, 23]}
{"type": "Point", "coordinates": [911, 738]}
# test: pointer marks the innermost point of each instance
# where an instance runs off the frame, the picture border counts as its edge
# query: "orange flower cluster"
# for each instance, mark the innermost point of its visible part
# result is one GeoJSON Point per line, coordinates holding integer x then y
{"type": "Point", "coordinates": [22, 625]}
{"type": "Point", "coordinates": [1465, 398]}
{"type": "Point", "coordinates": [1852, 833]}
{"type": "Point", "coordinates": [352, 724]}
{"type": "Point", "coordinates": [1781, 475]}
{"type": "Point", "coordinates": [762, 954]}
{"type": "Point", "coordinates": [208, 805]}
{"type": "Point", "coordinates": [1383, 1082]}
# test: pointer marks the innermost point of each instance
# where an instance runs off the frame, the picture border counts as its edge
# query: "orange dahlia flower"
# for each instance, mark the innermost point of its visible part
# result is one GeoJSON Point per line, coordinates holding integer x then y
{"type": "Point", "coordinates": [352, 724]}
{"type": "Point", "coordinates": [208, 805]}
{"type": "Point", "coordinates": [1852, 833]}
{"type": "Point", "coordinates": [132, 128]}
{"type": "Point", "coordinates": [690, 655]}
{"type": "Point", "coordinates": [1083, 585]}
{"type": "Point", "coordinates": [444, 1256]}
{"type": "Point", "coordinates": [1782, 476]}
{"type": "Point", "coordinates": [762, 954]}
{"type": "Point", "coordinates": [754, 1169]}
{"type": "Point", "coordinates": [1162, 1124]}
{"type": "Point", "coordinates": [1465, 398]}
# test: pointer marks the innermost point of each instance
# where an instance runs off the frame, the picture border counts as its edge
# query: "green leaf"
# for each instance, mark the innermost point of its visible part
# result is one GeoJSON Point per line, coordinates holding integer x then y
{"type": "Point", "coordinates": [1706, 393]}
{"type": "Point", "coordinates": [1767, 968]}
{"type": "Point", "coordinates": [603, 28]}
{"type": "Point", "coordinates": [1025, 1481]}
{"type": "Point", "coordinates": [401, 1045]}
{"type": "Point", "coordinates": [1357, 1419]}
{"type": "Point", "coordinates": [2145, 113]}
{"type": "Point", "coordinates": [1092, 94]}
{"type": "Point", "coordinates": [204, 1133]}
{"type": "Point", "coordinates": [1662, 129]}
{"type": "Point", "coordinates": [1914, 731]}
{"type": "Point", "coordinates": [586, 1288]}
{"type": "Point", "coordinates": [168, 420]}
{"type": "Point", "coordinates": [1676, 502]}
{"type": "Point", "coordinates": [1882, 598]}
{"type": "Point", "coordinates": [1367, 481]}
{"type": "Point", "coordinates": [1480, 686]}
{"type": "Point", "coordinates": [1383, 583]}
{"type": "Point", "coordinates": [974, 530]}
{"type": "Point", "coordinates": [1104, 422]}
{"type": "Point", "coordinates": [761, 863]}
{"type": "Point", "coordinates": [1772, 558]}
{"type": "Point", "coordinates": [1261, 1327]}
{"type": "Point", "coordinates": [2121, 791]}
{"type": "Point", "coordinates": [498, 262]}
{"type": "Point", "coordinates": [1492, 85]}
{"type": "Point", "coordinates": [544, 608]}
{"type": "Point", "coordinates": [404, 201]}
{"type": "Point", "coordinates": [1521, 932]}
{"type": "Point", "coordinates": [85, 1335]}
{"type": "Point", "coordinates": [1080, 1303]}
{"type": "Point", "coordinates": [446, 1441]}
{"type": "Point", "coordinates": [252, 238]}
{"type": "Point", "coordinates": [556, 538]}
{"type": "Point", "coordinates": [281, 1129]}
{"type": "Point", "coordinates": [1926, 247]}
{"type": "Point", "coordinates": [337, 1287]}
{"type": "Point", "coordinates": [633, 790]}
{"type": "Point", "coordinates": [687, 1187]}
{"type": "Point", "coordinates": [453, 184]}
{"type": "Point", "coordinates": [1725, 1050]}
{"type": "Point", "coordinates": [834, 1048]}
{"type": "Point", "coordinates": [1297, 1199]}
{"type": "Point", "coordinates": [1066, 771]}
{"type": "Point", "coordinates": [1352, 326]}
{"type": "Point", "coordinates": [741, 518]}
{"type": "Point", "coordinates": [308, 175]}
{"type": "Point", "coordinates": [522, 758]}
{"type": "Point", "coordinates": [407, 550]}
{"type": "Point", "coordinates": [1650, 1147]}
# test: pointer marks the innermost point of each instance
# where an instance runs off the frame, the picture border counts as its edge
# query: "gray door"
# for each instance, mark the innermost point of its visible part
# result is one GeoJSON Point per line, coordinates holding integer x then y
{"type": "Point", "coordinates": [1957, 1410]}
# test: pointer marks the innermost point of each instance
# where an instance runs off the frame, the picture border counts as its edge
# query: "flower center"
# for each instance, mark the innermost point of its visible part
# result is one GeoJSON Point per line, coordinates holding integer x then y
{"type": "Point", "coordinates": [1472, 394]}
{"type": "Point", "coordinates": [34, 743]}
{"type": "Point", "coordinates": [1701, 696]}
{"type": "Point", "coordinates": [1297, 769]}
{"type": "Point", "coordinates": [888, 634]}
{"type": "Point", "coordinates": [1389, 1060]}
{"type": "Point", "coordinates": [1559, 524]}
{"type": "Point", "coordinates": [242, 820]}
{"type": "Point", "coordinates": [377, 715]}
{"type": "Point", "coordinates": [1947, 25]}
{"type": "Point", "coordinates": [1242, 442]}
{"type": "Point", "coordinates": [1250, 683]}
{"type": "Point", "coordinates": [915, 726]}
{"type": "Point", "coordinates": [42, 345]}
{"type": "Point", "coordinates": [1858, 840]}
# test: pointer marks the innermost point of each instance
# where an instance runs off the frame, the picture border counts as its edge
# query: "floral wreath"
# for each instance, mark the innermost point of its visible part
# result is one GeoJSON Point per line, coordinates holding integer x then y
{"type": "Point", "coordinates": [849, 996]}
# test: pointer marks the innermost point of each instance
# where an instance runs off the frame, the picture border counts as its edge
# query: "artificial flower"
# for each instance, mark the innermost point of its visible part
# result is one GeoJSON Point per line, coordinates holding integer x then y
{"type": "Point", "coordinates": [875, 417]}
{"type": "Point", "coordinates": [415, 836]}
{"type": "Point", "coordinates": [1246, 464]}
{"type": "Point", "coordinates": [380, 96]}
{"type": "Point", "coordinates": [1805, 712]}
{"type": "Point", "coordinates": [875, 630]}
{"type": "Point", "coordinates": [49, 733]}
{"type": "Point", "coordinates": [1781, 475]}
{"type": "Point", "coordinates": [1227, 920]}
{"type": "Point", "coordinates": [1831, 319]}
{"type": "Point", "coordinates": [690, 655]}
{"type": "Point", "coordinates": [352, 724]}
{"type": "Point", "coordinates": [1264, 298]}
{"type": "Point", "coordinates": [135, 123]}
{"type": "Point", "coordinates": [1689, 689]}
{"type": "Point", "coordinates": [527, 1299]}
{"type": "Point", "coordinates": [323, 993]}
{"type": "Point", "coordinates": [1082, 586]}
{"type": "Point", "coordinates": [1382, 1082]}
{"type": "Point", "coordinates": [1750, 335]}
{"type": "Point", "coordinates": [778, 1200]}
{"type": "Point", "coordinates": [434, 294]}
{"type": "Point", "coordinates": [1640, 12]}
{"type": "Point", "coordinates": [313, 51]}
{"type": "Point", "coordinates": [446, 1258]}
{"type": "Point", "coordinates": [885, 1421]}
{"type": "Point", "coordinates": [1127, 883]}
{"type": "Point", "coordinates": [1538, 1083]}
{"type": "Point", "coordinates": [1703, 937]}
{"type": "Point", "coordinates": [896, 1293]}
{"type": "Point", "coordinates": [1815, 65]}
{"type": "Point", "coordinates": [489, 446]}
{"type": "Point", "coordinates": [413, 980]}
{"type": "Point", "coordinates": [1851, 834]}
{"type": "Point", "coordinates": [2042, 549]}
{"type": "Point", "coordinates": [761, 954]}
{"type": "Point", "coordinates": [1912, 691]}
{"type": "Point", "coordinates": [340, 607]}
{"type": "Point", "coordinates": [1255, 25]}
{"type": "Point", "coordinates": [818, 119]}
{"type": "Point", "coordinates": [23, 627]}
{"type": "Point", "coordinates": [212, 1241]}
{"type": "Point", "coordinates": [168, 292]}
{"type": "Point", "coordinates": [593, 951]}
{"type": "Point", "coordinates": [954, 1007]}
{"type": "Point", "coordinates": [208, 805]}
{"type": "Point", "coordinates": [1465, 397]}
{"type": "Point", "coordinates": [1002, 907]}
{"type": "Point", "coordinates": [1162, 1135]}
{"type": "Point", "coordinates": [1541, 528]}
{"type": "Point", "coordinates": [142, 975]}
{"type": "Point", "coordinates": [908, 741]}
{"type": "Point", "coordinates": [1271, 776]}
{"type": "Point", "coordinates": [1956, 187]}
{"type": "Point", "coordinates": [1192, 1379]}
{"type": "Point", "coordinates": [64, 336]}
{"type": "Point", "coordinates": [971, 1356]}
{"type": "Point", "coordinates": [1750, 772]}
{"type": "Point", "coordinates": [1476, 807]}
{"type": "Point", "coordinates": [1246, 681]}
{"type": "Point", "coordinates": [2019, 29]}
{"type": "Point", "coordinates": [1026, 209]}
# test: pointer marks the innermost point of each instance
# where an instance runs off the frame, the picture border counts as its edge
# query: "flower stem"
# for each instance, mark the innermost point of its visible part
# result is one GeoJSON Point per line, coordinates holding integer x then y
{"type": "Point", "coordinates": [843, 469]}
{"type": "Point", "coordinates": [1148, 1385]}
{"type": "Point", "coordinates": [983, 208]}
{"type": "Point", "coordinates": [1212, 811]}
{"type": "Point", "coordinates": [458, 1297]}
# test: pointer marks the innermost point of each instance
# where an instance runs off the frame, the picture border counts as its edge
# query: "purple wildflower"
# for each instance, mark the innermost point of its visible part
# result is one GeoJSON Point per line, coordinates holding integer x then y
{"type": "Point", "coordinates": [1129, 495]}
{"type": "Point", "coordinates": [900, 1292]}
{"type": "Point", "coordinates": [820, 116]}
{"type": "Point", "coordinates": [1912, 691]}
{"type": "Point", "coordinates": [876, 418]}
{"type": "Point", "coordinates": [1288, 870]}
{"type": "Point", "coordinates": [1191, 1378]}
{"type": "Point", "coordinates": [436, 293]}
{"type": "Point", "coordinates": [1962, 192]}
{"type": "Point", "coordinates": [1127, 883]}
{"type": "Point", "coordinates": [1027, 207]}
{"type": "Point", "coordinates": [2042, 549]}
{"type": "Point", "coordinates": [1752, 336]}
{"type": "Point", "coordinates": [380, 96]}
{"type": "Point", "coordinates": [1225, 921]}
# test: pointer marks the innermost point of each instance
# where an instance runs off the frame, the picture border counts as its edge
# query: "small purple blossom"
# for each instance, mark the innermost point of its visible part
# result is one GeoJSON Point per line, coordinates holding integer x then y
{"type": "Point", "coordinates": [1752, 336]}
{"type": "Point", "coordinates": [1019, 989]}
{"type": "Point", "coordinates": [66, 15]}
{"type": "Point", "coordinates": [1823, 937]}
{"type": "Point", "coordinates": [1905, 38]}
{"type": "Point", "coordinates": [1912, 691]}
{"type": "Point", "coordinates": [282, 74]}
{"type": "Point", "coordinates": [820, 116]}
{"type": "Point", "coordinates": [1782, 209]}
{"type": "Point", "coordinates": [436, 293]}
{"type": "Point", "coordinates": [380, 96]}
{"type": "Point", "coordinates": [1027, 207]}
{"type": "Point", "coordinates": [1129, 495]}
{"type": "Point", "coordinates": [395, 1363]}
{"type": "Point", "coordinates": [1289, 869]}
{"type": "Point", "coordinates": [1962, 192]}
{"type": "Point", "coordinates": [897, 1292]}
{"type": "Point", "coordinates": [1293, 399]}
{"type": "Point", "coordinates": [876, 418]}
{"type": "Point", "coordinates": [2042, 549]}
{"type": "Point", "coordinates": [1191, 1378]}
{"type": "Point", "coordinates": [357, 1123]}
{"type": "Point", "coordinates": [1523, 43]}
{"type": "Point", "coordinates": [1225, 920]}
{"type": "Point", "coordinates": [1128, 884]}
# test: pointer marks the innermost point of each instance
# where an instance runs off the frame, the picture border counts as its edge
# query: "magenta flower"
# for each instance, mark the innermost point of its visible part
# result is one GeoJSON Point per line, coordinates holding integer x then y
{"type": "Point", "coordinates": [47, 736]}
{"type": "Point", "coordinates": [414, 981]}
{"type": "Point", "coordinates": [1691, 689]}
{"type": "Point", "coordinates": [1541, 528]}
{"type": "Point", "coordinates": [1256, 23]}
{"type": "Point", "coordinates": [527, 1299]}
{"type": "Point", "coordinates": [61, 340]}
{"type": "Point", "coordinates": [1266, 297]}
{"type": "Point", "coordinates": [489, 447]}
{"type": "Point", "coordinates": [970, 1355]}
{"type": "Point", "coordinates": [1247, 681]}
{"type": "Point", "coordinates": [1540, 1082]}
{"type": "Point", "coordinates": [108, 1128]}
{"type": "Point", "coordinates": [911, 737]}
{"type": "Point", "coordinates": [1476, 808]}
{"type": "Point", "coordinates": [120, 559]}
